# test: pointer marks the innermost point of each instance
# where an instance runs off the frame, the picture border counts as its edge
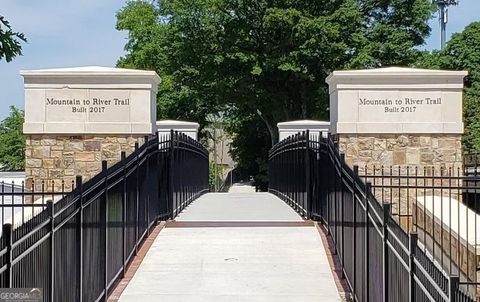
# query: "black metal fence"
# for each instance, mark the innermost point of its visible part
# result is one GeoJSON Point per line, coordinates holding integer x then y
{"type": "Point", "coordinates": [75, 246]}
{"type": "Point", "coordinates": [381, 259]}
{"type": "Point", "coordinates": [441, 205]}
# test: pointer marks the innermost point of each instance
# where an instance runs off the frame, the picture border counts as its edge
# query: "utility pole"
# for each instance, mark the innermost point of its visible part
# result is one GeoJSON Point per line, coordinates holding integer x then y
{"type": "Point", "coordinates": [443, 18]}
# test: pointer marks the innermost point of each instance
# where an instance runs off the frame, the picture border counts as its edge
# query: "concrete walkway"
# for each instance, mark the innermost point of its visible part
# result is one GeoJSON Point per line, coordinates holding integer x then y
{"type": "Point", "coordinates": [242, 188]}
{"type": "Point", "coordinates": [231, 260]}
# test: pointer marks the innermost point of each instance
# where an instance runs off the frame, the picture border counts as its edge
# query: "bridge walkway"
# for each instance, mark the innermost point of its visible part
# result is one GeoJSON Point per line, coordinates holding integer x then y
{"type": "Point", "coordinates": [237, 246]}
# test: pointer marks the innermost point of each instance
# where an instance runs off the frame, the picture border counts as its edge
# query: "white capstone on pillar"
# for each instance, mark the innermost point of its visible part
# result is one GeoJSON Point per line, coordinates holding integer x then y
{"type": "Point", "coordinates": [398, 116]}
{"type": "Point", "coordinates": [77, 117]}
{"type": "Point", "coordinates": [90, 100]}
{"type": "Point", "coordinates": [286, 129]}
{"type": "Point", "coordinates": [189, 128]}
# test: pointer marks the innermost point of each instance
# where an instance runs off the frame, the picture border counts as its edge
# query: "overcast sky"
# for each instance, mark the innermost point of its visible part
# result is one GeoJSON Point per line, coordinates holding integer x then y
{"type": "Point", "coordinates": [66, 33]}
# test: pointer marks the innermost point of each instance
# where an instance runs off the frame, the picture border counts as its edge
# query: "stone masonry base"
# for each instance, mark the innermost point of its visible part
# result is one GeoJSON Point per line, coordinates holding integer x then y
{"type": "Point", "coordinates": [420, 150]}
{"type": "Point", "coordinates": [51, 158]}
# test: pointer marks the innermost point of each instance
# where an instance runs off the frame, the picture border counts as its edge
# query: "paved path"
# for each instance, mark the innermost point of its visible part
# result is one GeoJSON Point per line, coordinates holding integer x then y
{"type": "Point", "coordinates": [241, 188]}
{"type": "Point", "coordinates": [195, 261]}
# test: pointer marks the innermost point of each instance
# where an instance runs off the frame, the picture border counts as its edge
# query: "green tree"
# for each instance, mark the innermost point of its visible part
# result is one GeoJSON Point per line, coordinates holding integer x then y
{"type": "Point", "coordinates": [250, 146]}
{"type": "Point", "coordinates": [151, 45]}
{"type": "Point", "coordinates": [10, 46]}
{"type": "Point", "coordinates": [270, 56]}
{"type": "Point", "coordinates": [261, 59]}
{"type": "Point", "coordinates": [12, 141]}
{"type": "Point", "coordinates": [462, 52]}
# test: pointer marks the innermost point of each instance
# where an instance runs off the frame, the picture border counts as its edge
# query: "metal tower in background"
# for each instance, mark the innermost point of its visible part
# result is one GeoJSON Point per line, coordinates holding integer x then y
{"type": "Point", "coordinates": [443, 17]}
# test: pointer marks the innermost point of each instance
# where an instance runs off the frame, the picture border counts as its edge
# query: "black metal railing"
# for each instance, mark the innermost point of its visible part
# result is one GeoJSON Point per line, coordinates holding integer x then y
{"type": "Point", "coordinates": [381, 260]}
{"type": "Point", "coordinates": [441, 205]}
{"type": "Point", "coordinates": [289, 172]}
{"type": "Point", "coordinates": [76, 245]}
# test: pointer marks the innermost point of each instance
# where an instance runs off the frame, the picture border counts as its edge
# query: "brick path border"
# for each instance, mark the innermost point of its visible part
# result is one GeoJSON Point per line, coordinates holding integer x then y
{"type": "Point", "coordinates": [132, 268]}
{"type": "Point", "coordinates": [334, 262]}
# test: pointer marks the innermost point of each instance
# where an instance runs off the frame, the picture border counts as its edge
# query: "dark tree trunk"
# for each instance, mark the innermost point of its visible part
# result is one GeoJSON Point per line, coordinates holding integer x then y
{"type": "Point", "coordinates": [272, 130]}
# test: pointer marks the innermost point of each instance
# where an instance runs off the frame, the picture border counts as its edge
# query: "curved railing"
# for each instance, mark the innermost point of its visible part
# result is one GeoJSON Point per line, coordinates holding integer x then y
{"type": "Point", "coordinates": [380, 260]}
{"type": "Point", "coordinates": [77, 246]}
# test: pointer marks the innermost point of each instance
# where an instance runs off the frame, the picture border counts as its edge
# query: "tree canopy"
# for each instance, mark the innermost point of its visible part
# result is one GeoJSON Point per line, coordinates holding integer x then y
{"type": "Point", "coordinates": [270, 57]}
{"type": "Point", "coordinates": [265, 60]}
{"type": "Point", "coordinates": [12, 141]}
{"type": "Point", "coordinates": [10, 40]}
{"type": "Point", "coordinates": [462, 52]}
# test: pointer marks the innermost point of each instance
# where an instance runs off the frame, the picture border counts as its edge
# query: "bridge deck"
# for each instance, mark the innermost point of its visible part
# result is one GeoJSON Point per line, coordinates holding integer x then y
{"type": "Point", "coordinates": [235, 247]}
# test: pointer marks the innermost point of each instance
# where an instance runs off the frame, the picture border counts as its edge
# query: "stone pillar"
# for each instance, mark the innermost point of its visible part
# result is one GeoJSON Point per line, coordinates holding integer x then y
{"type": "Point", "coordinates": [398, 116]}
{"type": "Point", "coordinates": [189, 128]}
{"type": "Point", "coordinates": [286, 129]}
{"type": "Point", "coordinates": [410, 119]}
{"type": "Point", "coordinates": [77, 117]}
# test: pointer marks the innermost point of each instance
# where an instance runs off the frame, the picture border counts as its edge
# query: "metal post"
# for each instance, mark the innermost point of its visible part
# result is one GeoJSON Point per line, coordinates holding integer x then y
{"type": "Point", "coordinates": [335, 207]}
{"type": "Point", "coordinates": [453, 282]}
{"type": "Point", "coordinates": [386, 213]}
{"type": "Point", "coordinates": [78, 184]}
{"type": "Point", "coordinates": [124, 214]}
{"type": "Point", "coordinates": [307, 179]}
{"type": "Point", "coordinates": [319, 178]}
{"type": "Point", "coordinates": [368, 190]}
{"type": "Point", "coordinates": [354, 199]}
{"type": "Point", "coordinates": [137, 196]}
{"type": "Point", "coordinates": [411, 264]}
{"type": "Point", "coordinates": [105, 221]}
{"type": "Point", "coordinates": [156, 197]}
{"type": "Point", "coordinates": [147, 194]}
{"type": "Point", "coordinates": [327, 216]}
{"type": "Point", "coordinates": [342, 219]}
{"type": "Point", "coordinates": [51, 210]}
{"type": "Point", "coordinates": [215, 168]}
{"type": "Point", "coordinates": [7, 232]}
{"type": "Point", "coordinates": [295, 169]}
{"type": "Point", "coordinates": [170, 174]}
